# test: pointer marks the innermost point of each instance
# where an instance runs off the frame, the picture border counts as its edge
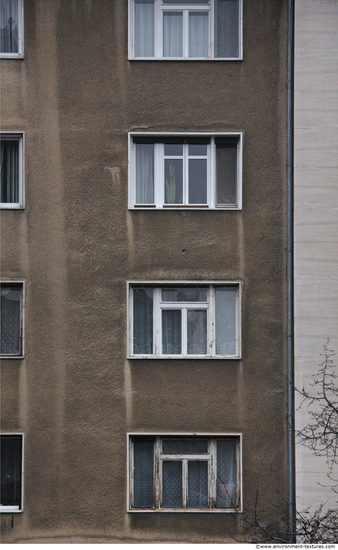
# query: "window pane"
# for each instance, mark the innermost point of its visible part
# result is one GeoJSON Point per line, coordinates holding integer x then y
{"type": "Point", "coordinates": [11, 458]}
{"type": "Point", "coordinates": [185, 446]}
{"type": "Point", "coordinates": [172, 484]}
{"type": "Point", "coordinates": [144, 28]}
{"type": "Point", "coordinates": [197, 332]}
{"type": "Point", "coordinates": [197, 149]}
{"type": "Point", "coordinates": [172, 34]}
{"type": "Point", "coordinates": [197, 181]}
{"type": "Point", "coordinates": [198, 34]}
{"type": "Point", "coordinates": [173, 149]}
{"type": "Point", "coordinates": [10, 320]}
{"type": "Point", "coordinates": [171, 332]}
{"type": "Point", "coordinates": [143, 320]}
{"type": "Point", "coordinates": [226, 173]}
{"type": "Point", "coordinates": [198, 484]}
{"type": "Point", "coordinates": [173, 181]}
{"type": "Point", "coordinates": [225, 321]}
{"type": "Point", "coordinates": [227, 28]}
{"type": "Point", "coordinates": [9, 23]}
{"type": "Point", "coordinates": [9, 166]}
{"type": "Point", "coordinates": [184, 295]}
{"type": "Point", "coordinates": [143, 474]}
{"type": "Point", "coordinates": [226, 496]}
{"type": "Point", "coordinates": [144, 173]}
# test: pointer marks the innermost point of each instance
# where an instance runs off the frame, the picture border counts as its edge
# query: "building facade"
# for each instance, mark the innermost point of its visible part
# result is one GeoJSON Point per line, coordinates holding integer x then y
{"type": "Point", "coordinates": [143, 230]}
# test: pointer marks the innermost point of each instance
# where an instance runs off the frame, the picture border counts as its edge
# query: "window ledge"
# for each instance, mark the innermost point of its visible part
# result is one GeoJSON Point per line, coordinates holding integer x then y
{"type": "Point", "coordinates": [10, 509]}
{"type": "Point", "coordinates": [190, 357]}
{"type": "Point", "coordinates": [185, 58]}
{"type": "Point", "coordinates": [12, 357]}
{"type": "Point", "coordinates": [187, 510]}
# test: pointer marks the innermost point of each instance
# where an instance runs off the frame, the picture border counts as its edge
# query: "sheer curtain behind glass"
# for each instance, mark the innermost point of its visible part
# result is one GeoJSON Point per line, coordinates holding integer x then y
{"type": "Point", "coordinates": [10, 320]}
{"type": "Point", "coordinates": [9, 42]}
{"type": "Point", "coordinates": [198, 34]}
{"type": "Point", "coordinates": [144, 28]}
{"type": "Point", "coordinates": [9, 167]}
{"type": "Point", "coordinates": [226, 494]}
{"type": "Point", "coordinates": [144, 173]}
{"type": "Point", "coordinates": [173, 34]}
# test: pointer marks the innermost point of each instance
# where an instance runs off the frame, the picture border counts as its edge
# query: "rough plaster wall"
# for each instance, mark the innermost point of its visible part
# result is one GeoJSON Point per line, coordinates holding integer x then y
{"type": "Point", "coordinates": [316, 216]}
{"type": "Point", "coordinates": [75, 395]}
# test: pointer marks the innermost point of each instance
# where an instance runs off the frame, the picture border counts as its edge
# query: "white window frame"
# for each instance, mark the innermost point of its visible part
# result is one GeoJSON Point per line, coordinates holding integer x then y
{"type": "Point", "coordinates": [22, 318]}
{"type": "Point", "coordinates": [212, 473]}
{"type": "Point", "coordinates": [20, 137]}
{"type": "Point", "coordinates": [20, 54]}
{"type": "Point", "coordinates": [157, 286]}
{"type": "Point", "coordinates": [158, 32]}
{"type": "Point", "coordinates": [159, 171]}
{"type": "Point", "coordinates": [15, 509]}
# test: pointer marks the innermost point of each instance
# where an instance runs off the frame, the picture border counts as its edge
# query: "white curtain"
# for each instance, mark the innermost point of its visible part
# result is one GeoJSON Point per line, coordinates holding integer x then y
{"type": "Point", "coordinates": [144, 173]}
{"type": "Point", "coordinates": [144, 28]}
{"type": "Point", "coordinates": [9, 168]}
{"type": "Point", "coordinates": [9, 26]}
{"type": "Point", "coordinates": [225, 321]}
{"type": "Point", "coordinates": [198, 34]}
{"type": "Point", "coordinates": [172, 34]}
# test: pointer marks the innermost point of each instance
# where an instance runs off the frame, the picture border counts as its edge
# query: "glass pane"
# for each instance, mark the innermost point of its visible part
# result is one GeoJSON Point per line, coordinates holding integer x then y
{"type": "Point", "coordinates": [173, 181]}
{"type": "Point", "coordinates": [143, 474]}
{"type": "Point", "coordinates": [185, 446]}
{"type": "Point", "coordinates": [198, 34]}
{"type": "Point", "coordinates": [226, 173]}
{"type": "Point", "coordinates": [184, 295]}
{"type": "Point", "coordinates": [172, 34]}
{"type": "Point", "coordinates": [11, 458]}
{"type": "Point", "coordinates": [173, 149]}
{"type": "Point", "coordinates": [227, 28]}
{"type": "Point", "coordinates": [9, 22]}
{"type": "Point", "coordinates": [144, 173]}
{"type": "Point", "coordinates": [198, 484]}
{"type": "Point", "coordinates": [226, 321]}
{"type": "Point", "coordinates": [197, 332]}
{"type": "Point", "coordinates": [171, 332]}
{"type": "Point", "coordinates": [172, 484]}
{"type": "Point", "coordinates": [197, 181]}
{"type": "Point", "coordinates": [226, 483]}
{"type": "Point", "coordinates": [10, 320]}
{"type": "Point", "coordinates": [143, 320]}
{"type": "Point", "coordinates": [144, 28]}
{"type": "Point", "coordinates": [197, 149]}
{"type": "Point", "coordinates": [9, 166]}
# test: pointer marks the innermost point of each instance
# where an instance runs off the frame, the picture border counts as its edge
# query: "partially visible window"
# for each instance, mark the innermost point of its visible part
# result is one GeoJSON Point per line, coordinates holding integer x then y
{"type": "Point", "coordinates": [11, 169]}
{"type": "Point", "coordinates": [190, 473]}
{"type": "Point", "coordinates": [11, 28]}
{"type": "Point", "coordinates": [185, 171]}
{"type": "Point", "coordinates": [11, 319]}
{"type": "Point", "coordinates": [11, 473]}
{"type": "Point", "coordinates": [185, 29]}
{"type": "Point", "coordinates": [192, 321]}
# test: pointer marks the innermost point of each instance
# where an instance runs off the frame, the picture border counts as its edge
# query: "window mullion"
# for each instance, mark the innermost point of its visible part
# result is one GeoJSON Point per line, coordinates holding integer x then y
{"type": "Point", "coordinates": [212, 474]}
{"type": "Point", "coordinates": [210, 173]}
{"type": "Point", "coordinates": [211, 322]}
{"type": "Point", "coordinates": [157, 320]}
{"type": "Point", "coordinates": [158, 473]}
{"type": "Point", "coordinates": [185, 482]}
{"type": "Point", "coordinates": [184, 330]}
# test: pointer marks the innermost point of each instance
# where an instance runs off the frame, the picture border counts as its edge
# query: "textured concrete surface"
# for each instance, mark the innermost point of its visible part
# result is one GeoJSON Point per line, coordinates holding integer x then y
{"type": "Point", "coordinates": [75, 395]}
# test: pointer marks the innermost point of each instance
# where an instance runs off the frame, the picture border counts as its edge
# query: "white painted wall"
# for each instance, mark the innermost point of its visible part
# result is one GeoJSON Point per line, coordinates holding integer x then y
{"type": "Point", "coordinates": [315, 214]}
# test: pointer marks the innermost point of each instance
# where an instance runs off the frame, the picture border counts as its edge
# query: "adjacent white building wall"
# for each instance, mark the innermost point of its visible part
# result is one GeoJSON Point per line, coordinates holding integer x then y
{"type": "Point", "coordinates": [315, 215]}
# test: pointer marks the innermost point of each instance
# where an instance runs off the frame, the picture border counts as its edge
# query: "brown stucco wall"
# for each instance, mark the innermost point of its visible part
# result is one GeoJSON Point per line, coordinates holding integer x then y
{"type": "Point", "coordinates": [75, 395]}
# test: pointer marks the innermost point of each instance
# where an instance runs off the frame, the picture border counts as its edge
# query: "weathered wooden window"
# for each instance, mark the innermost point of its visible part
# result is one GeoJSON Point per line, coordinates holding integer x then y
{"type": "Point", "coordinates": [184, 321]}
{"type": "Point", "coordinates": [185, 29]}
{"type": "Point", "coordinates": [188, 473]}
{"type": "Point", "coordinates": [11, 319]}
{"type": "Point", "coordinates": [190, 171]}
{"type": "Point", "coordinates": [11, 473]}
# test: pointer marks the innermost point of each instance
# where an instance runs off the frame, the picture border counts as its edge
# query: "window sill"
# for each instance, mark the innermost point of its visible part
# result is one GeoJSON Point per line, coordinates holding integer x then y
{"type": "Point", "coordinates": [187, 510]}
{"type": "Point", "coordinates": [185, 58]}
{"type": "Point", "coordinates": [9, 509]}
{"type": "Point", "coordinates": [12, 206]}
{"type": "Point", "coordinates": [11, 56]}
{"type": "Point", "coordinates": [188, 357]}
{"type": "Point", "coordinates": [12, 357]}
{"type": "Point", "coordinates": [185, 207]}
